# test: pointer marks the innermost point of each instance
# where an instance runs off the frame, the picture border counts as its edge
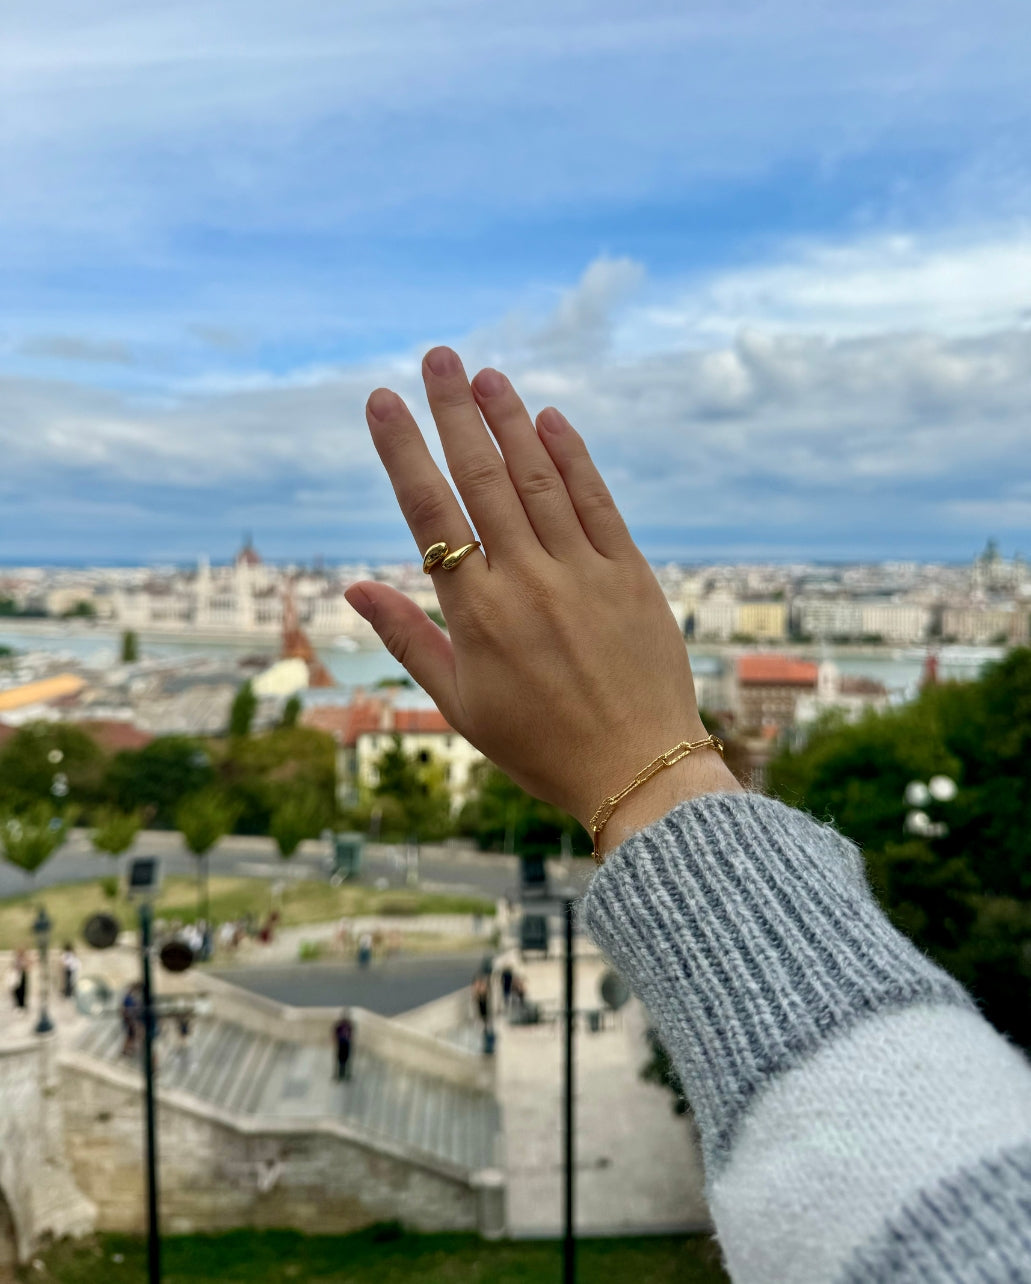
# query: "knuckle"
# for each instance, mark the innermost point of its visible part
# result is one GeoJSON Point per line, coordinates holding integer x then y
{"type": "Point", "coordinates": [538, 483]}
{"type": "Point", "coordinates": [597, 500]}
{"type": "Point", "coordinates": [481, 475]}
{"type": "Point", "coordinates": [426, 507]}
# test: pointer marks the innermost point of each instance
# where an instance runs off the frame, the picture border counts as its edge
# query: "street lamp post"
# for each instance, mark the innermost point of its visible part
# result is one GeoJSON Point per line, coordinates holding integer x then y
{"type": "Point", "coordinates": [41, 930]}
{"type": "Point", "coordinates": [918, 795]}
{"type": "Point", "coordinates": [540, 902]}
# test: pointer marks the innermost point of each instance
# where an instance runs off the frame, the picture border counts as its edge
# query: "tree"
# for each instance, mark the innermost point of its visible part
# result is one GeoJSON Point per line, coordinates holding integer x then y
{"type": "Point", "coordinates": [130, 646]}
{"type": "Point", "coordinates": [291, 712]}
{"type": "Point", "coordinates": [31, 837]}
{"type": "Point", "coordinates": [38, 753]}
{"type": "Point", "coordinates": [503, 817]}
{"type": "Point", "coordinates": [259, 772]}
{"type": "Point", "coordinates": [964, 897]}
{"type": "Point", "coordinates": [414, 787]}
{"type": "Point", "coordinates": [158, 777]}
{"type": "Point", "coordinates": [241, 715]}
{"type": "Point", "coordinates": [203, 819]}
{"type": "Point", "coordinates": [82, 610]}
{"type": "Point", "coordinates": [115, 831]}
{"type": "Point", "coordinates": [298, 816]}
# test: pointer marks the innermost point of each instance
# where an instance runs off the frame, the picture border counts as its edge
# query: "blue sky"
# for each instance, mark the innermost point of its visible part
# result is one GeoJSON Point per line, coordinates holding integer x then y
{"type": "Point", "coordinates": [774, 259]}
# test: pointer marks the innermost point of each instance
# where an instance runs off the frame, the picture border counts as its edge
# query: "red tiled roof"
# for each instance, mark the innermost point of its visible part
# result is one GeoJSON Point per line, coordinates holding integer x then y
{"type": "Point", "coordinates": [775, 670]}
{"type": "Point", "coordinates": [113, 737]}
{"type": "Point", "coordinates": [366, 715]}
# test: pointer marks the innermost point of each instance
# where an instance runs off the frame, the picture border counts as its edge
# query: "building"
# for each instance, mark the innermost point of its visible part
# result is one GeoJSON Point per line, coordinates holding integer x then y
{"type": "Point", "coordinates": [715, 619]}
{"type": "Point", "coordinates": [769, 688]}
{"type": "Point", "coordinates": [248, 597]}
{"type": "Point", "coordinates": [902, 623]}
{"type": "Point", "coordinates": [827, 618]}
{"type": "Point", "coordinates": [849, 695]}
{"type": "Point", "coordinates": [365, 729]}
{"type": "Point", "coordinates": [986, 625]}
{"type": "Point", "coordinates": [764, 621]}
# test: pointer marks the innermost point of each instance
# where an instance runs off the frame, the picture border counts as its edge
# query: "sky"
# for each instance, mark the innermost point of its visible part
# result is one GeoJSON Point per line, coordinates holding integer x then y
{"type": "Point", "coordinates": [772, 259]}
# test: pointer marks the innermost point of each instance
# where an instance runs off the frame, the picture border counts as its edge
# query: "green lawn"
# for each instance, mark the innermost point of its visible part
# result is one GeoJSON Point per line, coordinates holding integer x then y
{"type": "Point", "coordinates": [70, 904]}
{"type": "Point", "coordinates": [382, 1255]}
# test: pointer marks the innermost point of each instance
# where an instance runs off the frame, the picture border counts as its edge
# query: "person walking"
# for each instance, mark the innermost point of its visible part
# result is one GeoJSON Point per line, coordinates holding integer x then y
{"type": "Point", "coordinates": [132, 1011]}
{"type": "Point", "coordinates": [343, 1034]}
{"type": "Point", "coordinates": [507, 977]}
{"type": "Point", "coordinates": [18, 980]}
{"type": "Point", "coordinates": [71, 966]}
{"type": "Point", "coordinates": [860, 1121]}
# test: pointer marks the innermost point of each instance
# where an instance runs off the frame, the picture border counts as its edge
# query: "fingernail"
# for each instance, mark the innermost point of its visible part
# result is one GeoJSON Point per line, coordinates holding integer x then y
{"type": "Point", "coordinates": [490, 383]}
{"type": "Point", "coordinates": [442, 361]}
{"type": "Point", "coordinates": [383, 404]}
{"type": "Point", "coordinates": [360, 600]}
{"type": "Point", "coordinates": [553, 421]}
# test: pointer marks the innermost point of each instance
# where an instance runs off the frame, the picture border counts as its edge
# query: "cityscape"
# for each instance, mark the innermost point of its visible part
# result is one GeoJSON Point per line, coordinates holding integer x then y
{"type": "Point", "coordinates": [620, 933]}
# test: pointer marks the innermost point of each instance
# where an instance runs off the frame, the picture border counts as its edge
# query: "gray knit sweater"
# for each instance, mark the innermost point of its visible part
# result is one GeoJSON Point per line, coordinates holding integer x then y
{"type": "Point", "coordinates": [860, 1121]}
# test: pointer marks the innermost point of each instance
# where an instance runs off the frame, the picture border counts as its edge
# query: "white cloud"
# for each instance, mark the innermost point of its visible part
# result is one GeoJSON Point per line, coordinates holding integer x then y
{"type": "Point", "coordinates": [777, 428]}
{"type": "Point", "coordinates": [882, 284]}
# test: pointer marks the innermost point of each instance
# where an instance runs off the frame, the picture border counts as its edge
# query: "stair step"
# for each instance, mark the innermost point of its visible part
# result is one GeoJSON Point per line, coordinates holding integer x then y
{"type": "Point", "coordinates": [239, 1088]}
{"type": "Point", "coordinates": [250, 1098]}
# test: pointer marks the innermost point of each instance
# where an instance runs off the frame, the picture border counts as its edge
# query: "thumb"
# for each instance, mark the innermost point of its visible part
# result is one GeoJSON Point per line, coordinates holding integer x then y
{"type": "Point", "coordinates": [412, 639]}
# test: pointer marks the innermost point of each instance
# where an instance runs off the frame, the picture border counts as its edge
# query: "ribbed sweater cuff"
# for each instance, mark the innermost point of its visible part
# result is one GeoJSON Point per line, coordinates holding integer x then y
{"type": "Point", "coordinates": [748, 931]}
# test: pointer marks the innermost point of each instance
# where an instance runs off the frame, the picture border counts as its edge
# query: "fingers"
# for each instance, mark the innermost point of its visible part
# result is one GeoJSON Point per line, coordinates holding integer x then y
{"type": "Point", "coordinates": [478, 470]}
{"type": "Point", "coordinates": [412, 639]}
{"type": "Point", "coordinates": [426, 500]}
{"type": "Point", "coordinates": [595, 507]}
{"type": "Point", "coordinates": [538, 482]}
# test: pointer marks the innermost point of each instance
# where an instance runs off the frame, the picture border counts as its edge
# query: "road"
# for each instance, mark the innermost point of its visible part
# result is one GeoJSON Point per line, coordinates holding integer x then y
{"type": "Point", "coordinates": [440, 868]}
{"type": "Point", "coordinates": [387, 987]}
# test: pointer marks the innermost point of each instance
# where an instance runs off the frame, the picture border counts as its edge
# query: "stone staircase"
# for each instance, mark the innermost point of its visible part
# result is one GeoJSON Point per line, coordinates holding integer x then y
{"type": "Point", "coordinates": [252, 1074]}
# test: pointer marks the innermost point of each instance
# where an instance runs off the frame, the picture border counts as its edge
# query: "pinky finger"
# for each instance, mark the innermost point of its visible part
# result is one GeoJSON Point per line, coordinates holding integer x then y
{"type": "Point", "coordinates": [412, 639]}
{"type": "Point", "coordinates": [595, 507]}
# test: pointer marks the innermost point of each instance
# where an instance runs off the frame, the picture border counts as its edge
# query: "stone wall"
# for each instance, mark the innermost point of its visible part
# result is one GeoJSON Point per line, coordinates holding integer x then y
{"type": "Point", "coordinates": [37, 1193]}
{"type": "Point", "coordinates": [219, 1171]}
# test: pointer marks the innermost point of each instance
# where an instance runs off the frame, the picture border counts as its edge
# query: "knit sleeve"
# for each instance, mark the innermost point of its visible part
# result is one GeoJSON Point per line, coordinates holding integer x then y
{"type": "Point", "coordinates": [859, 1119]}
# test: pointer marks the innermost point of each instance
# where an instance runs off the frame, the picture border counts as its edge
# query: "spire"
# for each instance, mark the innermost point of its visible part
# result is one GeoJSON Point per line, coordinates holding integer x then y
{"type": "Point", "coordinates": [297, 645]}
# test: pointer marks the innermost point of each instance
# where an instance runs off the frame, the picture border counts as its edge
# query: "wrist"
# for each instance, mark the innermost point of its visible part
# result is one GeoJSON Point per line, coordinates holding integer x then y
{"type": "Point", "coordinates": [701, 772]}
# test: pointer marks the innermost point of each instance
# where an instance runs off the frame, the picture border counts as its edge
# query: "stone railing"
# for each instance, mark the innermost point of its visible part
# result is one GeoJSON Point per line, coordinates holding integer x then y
{"type": "Point", "coordinates": [389, 1038]}
{"type": "Point", "coordinates": [220, 1170]}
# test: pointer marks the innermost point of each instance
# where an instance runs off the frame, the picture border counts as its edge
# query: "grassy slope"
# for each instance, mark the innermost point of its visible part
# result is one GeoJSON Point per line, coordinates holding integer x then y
{"type": "Point", "coordinates": [381, 1256]}
{"type": "Point", "coordinates": [69, 905]}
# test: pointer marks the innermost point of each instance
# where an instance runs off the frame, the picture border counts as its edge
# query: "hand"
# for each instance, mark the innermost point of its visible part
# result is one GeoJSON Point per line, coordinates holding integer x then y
{"type": "Point", "coordinates": [564, 664]}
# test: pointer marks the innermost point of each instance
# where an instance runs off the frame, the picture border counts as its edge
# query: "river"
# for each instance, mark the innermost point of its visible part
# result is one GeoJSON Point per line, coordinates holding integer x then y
{"type": "Point", "coordinates": [898, 670]}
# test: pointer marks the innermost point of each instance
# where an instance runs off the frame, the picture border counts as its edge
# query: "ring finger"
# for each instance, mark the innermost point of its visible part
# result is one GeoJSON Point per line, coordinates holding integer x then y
{"type": "Point", "coordinates": [426, 499]}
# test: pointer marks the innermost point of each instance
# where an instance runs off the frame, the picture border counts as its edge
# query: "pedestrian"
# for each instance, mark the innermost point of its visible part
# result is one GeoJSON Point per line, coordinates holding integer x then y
{"type": "Point", "coordinates": [364, 949]}
{"type": "Point", "coordinates": [71, 966]}
{"type": "Point", "coordinates": [507, 977]}
{"type": "Point", "coordinates": [481, 997]}
{"type": "Point", "coordinates": [343, 1033]}
{"type": "Point", "coordinates": [184, 1026]}
{"type": "Point", "coordinates": [18, 980]}
{"type": "Point", "coordinates": [132, 1007]}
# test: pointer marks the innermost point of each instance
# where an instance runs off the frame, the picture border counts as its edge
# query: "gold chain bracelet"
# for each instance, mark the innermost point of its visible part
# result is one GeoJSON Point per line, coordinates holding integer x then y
{"type": "Point", "coordinates": [601, 817]}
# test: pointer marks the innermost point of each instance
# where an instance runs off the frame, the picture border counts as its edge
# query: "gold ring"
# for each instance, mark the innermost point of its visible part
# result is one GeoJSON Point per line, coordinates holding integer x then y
{"type": "Point", "coordinates": [434, 554]}
{"type": "Point", "coordinates": [451, 561]}
{"type": "Point", "coordinates": [440, 555]}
